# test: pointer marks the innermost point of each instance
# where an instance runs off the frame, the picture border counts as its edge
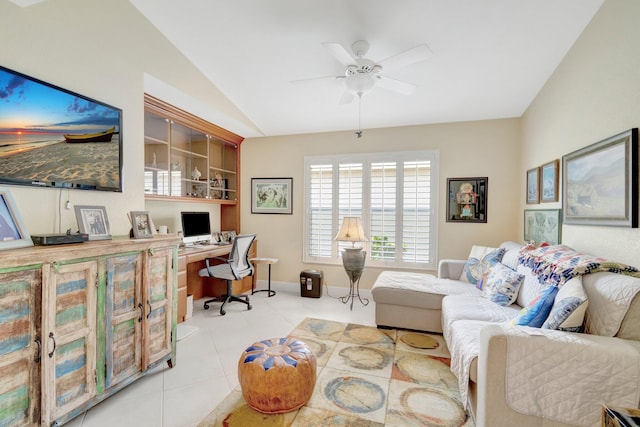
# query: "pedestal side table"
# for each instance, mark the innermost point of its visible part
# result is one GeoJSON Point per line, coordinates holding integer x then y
{"type": "Point", "coordinates": [269, 262]}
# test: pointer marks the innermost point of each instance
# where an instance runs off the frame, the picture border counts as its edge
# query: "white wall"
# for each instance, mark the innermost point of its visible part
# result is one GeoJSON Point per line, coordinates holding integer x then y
{"type": "Point", "coordinates": [593, 94]}
{"type": "Point", "coordinates": [484, 148]}
{"type": "Point", "coordinates": [103, 50]}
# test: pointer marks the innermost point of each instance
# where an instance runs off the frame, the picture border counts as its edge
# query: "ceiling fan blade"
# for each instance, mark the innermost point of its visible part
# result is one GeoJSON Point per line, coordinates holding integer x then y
{"type": "Point", "coordinates": [346, 98]}
{"type": "Point", "coordinates": [340, 53]}
{"type": "Point", "coordinates": [411, 56]}
{"type": "Point", "coordinates": [395, 85]}
{"type": "Point", "coordinates": [314, 79]}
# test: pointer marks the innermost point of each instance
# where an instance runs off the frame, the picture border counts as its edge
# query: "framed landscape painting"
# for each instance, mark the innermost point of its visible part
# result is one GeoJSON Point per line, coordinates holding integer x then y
{"type": "Point", "coordinates": [533, 190]}
{"type": "Point", "coordinates": [600, 183]}
{"type": "Point", "coordinates": [271, 195]}
{"type": "Point", "coordinates": [549, 181]}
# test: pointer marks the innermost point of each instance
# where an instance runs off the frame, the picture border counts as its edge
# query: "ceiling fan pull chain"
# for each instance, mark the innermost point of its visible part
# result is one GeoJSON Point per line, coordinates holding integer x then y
{"type": "Point", "coordinates": [359, 131]}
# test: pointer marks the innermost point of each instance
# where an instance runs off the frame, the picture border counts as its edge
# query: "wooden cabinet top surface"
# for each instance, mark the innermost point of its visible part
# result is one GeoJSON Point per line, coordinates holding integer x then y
{"type": "Point", "coordinates": [93, 248]}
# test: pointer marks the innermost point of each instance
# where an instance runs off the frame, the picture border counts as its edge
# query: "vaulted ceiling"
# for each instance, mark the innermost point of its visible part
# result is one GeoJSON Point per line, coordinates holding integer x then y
{"type": "Point", "coordinates": [486, 59]}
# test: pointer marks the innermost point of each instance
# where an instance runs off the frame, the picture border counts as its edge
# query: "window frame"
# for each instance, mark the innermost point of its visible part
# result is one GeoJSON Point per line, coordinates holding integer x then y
{"type": "Point", "coordinates": [367, 159]}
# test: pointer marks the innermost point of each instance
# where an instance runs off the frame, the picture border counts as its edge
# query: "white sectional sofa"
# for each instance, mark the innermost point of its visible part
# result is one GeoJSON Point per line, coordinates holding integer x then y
{"type": "Point", "coordinates": [513, 375]}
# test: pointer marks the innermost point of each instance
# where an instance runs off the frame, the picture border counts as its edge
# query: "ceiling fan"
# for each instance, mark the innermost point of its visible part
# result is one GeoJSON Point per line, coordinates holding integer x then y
{"type": "Point", "coordinates": [363, 74]}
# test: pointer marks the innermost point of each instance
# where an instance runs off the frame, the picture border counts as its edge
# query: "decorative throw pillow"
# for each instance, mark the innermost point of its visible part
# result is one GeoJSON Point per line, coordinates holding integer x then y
{"type": "Point", "coordinates": [537, 311]}
{"type": "Point", "coordinates": [502, 285]}
{"type": "Point", "coordinates": [480, 260]}
{"type": "Point", "coordinates": [569, 307]}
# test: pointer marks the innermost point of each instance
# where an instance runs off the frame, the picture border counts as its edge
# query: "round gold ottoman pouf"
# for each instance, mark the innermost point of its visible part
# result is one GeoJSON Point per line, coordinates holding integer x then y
{"type": "Point", "coordinates": [277, 375]}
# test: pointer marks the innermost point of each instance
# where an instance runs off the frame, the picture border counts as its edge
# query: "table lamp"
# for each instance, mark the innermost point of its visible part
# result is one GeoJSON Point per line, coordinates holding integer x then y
{"type": "Point", "coordinates": [353, 257]}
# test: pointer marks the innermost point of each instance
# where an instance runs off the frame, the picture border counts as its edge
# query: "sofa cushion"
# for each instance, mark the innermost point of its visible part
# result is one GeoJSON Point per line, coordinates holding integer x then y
{"type": "Point", "coordinates": [530, 287]}
{"type": "Point", "coordinates": [510, 257]}
{"type": "Point", "coordinates": [569, 307]}
{"type": "Point", "coordinates": [481, 258]}
{"type": "Point", "coordinates": [461, 307]}
{"type": "Point", "coordinates": [538, 310]}
{"type": "Point", "coordinates": [630, 327]}
{"type": "Point", "coordinates": [416, 289]}
{"type": "Point", "coordinates": [502, 285]}
{"type": "Point", "coordinates": [610, 296]}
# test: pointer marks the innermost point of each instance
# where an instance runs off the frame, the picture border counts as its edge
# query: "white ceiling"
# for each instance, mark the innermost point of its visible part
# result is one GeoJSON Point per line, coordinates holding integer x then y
{"type": "Point", "coordinates": [490, 57]}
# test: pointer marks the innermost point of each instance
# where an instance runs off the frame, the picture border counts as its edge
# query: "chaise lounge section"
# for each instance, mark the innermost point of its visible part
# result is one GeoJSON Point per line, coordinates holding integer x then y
{"type": "Point", "coordinates": [564, 342]}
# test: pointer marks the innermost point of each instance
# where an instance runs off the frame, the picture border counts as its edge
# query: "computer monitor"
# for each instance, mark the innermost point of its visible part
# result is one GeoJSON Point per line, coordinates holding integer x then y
{"type": "Point", "coordinates": [196, 227]}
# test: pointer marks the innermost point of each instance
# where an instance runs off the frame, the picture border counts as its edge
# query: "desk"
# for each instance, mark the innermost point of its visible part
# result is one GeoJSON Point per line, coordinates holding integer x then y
{"type": "Point", "coordinates": [191, 261]}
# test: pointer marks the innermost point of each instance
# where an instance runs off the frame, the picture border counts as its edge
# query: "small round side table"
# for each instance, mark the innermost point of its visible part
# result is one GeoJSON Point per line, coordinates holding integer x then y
{"type": "Point", "coordinates": [269, 262]}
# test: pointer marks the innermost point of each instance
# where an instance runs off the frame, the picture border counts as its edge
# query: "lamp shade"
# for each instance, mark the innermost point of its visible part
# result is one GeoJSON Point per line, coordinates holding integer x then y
{"type": "Point", "coordinates": [351, 230]}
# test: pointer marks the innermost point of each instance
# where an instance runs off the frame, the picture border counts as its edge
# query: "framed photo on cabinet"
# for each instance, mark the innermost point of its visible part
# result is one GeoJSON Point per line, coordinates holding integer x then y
{"type": "Point", "coordinates": [13, 233]}
{"type": "Point", "coordinates": [92, 220]}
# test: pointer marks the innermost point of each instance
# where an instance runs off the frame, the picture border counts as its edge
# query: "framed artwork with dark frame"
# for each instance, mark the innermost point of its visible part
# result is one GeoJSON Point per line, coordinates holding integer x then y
{"type": "Point", "coordinates": [600, 182]}
{"type": "Point", "coordinates": [92, 220]}
{"type": "Point", "coordinates": [271, 195]}
{"type": "Point", "coordinates": [549, 181]}
{"type": "Point", "coordinates": [141, 224]}
{"type": "Point", "coordinates": [533, 186]}
{"type": "Point", "coordinates": [467, 199]}
{"type": "Point", "coordinates": [543, 225]}
{"type": "Point", "coordinates": [13, 233]}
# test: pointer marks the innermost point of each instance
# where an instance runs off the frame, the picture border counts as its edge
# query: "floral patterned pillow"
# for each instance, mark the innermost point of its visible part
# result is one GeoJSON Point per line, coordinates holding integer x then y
{"type": "Point", "coordinates": [502, 285]}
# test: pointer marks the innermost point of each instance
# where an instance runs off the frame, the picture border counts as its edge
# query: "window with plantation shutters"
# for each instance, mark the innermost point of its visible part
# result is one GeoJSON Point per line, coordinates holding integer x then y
{"type": "Point", "coordinates": [394, 194]}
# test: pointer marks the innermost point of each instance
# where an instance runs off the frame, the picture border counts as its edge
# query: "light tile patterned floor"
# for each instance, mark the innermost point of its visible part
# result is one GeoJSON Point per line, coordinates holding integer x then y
{"type": "Point", "coordinates": [206, 369]}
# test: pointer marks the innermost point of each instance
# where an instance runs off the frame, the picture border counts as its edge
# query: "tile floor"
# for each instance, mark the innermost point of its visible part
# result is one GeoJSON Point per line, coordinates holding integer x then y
{"type": "Point", "coordinates": [206, 368]}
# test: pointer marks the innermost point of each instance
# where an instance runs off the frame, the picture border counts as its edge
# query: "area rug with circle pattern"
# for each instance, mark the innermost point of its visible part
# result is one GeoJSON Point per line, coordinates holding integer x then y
{"type": "Point", "coordinates": [365, 377]}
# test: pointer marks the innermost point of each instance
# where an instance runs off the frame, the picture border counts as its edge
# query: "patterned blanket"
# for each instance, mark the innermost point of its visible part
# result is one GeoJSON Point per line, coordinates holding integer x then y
{"type": "Point", "coordinates": [557, 264]}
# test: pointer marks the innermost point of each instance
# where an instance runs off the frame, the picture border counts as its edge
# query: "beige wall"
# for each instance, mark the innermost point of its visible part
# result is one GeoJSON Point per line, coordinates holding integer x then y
{"type": "Point", "coordinates": [484, 148]}
{"type": "Point", "coordinates": [103, 50]}
{"type": "Point", "coordinates": [593, 94]}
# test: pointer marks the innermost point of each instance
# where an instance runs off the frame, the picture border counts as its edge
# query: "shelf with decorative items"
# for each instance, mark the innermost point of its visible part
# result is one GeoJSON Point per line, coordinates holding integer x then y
{"type": "Point", "coordinates": [190, 159]}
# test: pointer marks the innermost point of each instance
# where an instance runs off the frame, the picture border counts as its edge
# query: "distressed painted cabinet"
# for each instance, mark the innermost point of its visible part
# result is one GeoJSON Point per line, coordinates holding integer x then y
{"type": "Point", "coordinates": [80, 322]}
{"type": "Point", "coordinates": [20, 347]}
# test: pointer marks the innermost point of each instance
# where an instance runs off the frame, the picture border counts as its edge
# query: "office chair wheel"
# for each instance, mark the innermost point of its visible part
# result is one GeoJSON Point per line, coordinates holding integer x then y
{"type": "Point", "coordinates": [249, 307]}
{"type": "Point", "coordinates": [222, 312]}
{"type": "Point", "coordinates": [206, 306]}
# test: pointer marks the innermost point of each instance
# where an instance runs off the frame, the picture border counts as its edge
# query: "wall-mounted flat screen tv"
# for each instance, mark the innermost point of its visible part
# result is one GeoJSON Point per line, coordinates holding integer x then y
{"type": "Point", "coordinates": [54, 138]}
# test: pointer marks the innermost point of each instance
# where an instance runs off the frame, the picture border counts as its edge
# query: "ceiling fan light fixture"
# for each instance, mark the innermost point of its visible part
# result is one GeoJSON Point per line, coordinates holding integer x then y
{"type": "Point", "coordinates": [359, 84]}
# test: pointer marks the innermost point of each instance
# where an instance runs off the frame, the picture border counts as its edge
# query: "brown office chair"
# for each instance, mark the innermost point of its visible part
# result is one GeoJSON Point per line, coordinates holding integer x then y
{"type": "Point", "coordinates": [235, 267]}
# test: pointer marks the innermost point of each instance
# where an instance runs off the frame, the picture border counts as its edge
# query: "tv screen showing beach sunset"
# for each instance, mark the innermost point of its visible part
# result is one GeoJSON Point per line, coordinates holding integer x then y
{"type": "Point", "coordinates": [51, 137]}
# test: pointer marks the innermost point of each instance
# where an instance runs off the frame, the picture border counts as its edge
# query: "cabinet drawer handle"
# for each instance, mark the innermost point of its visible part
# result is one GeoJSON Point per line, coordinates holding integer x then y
{"type": "Point", "coordinates": [149, 313]}
{"type": "Point", "coordinates": [38, 355]}
{"type": "Point", "coordinates": [54, 344]}
{"type": "Point", "coordinates": [141, 308]}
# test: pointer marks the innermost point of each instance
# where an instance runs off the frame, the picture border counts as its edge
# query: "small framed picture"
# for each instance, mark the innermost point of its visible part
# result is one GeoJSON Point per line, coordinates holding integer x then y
{"type": "Point", "coordinates": [271, 195]}
{"type": "Point", "coordinates": [92, 220]}
{"type": "Point", "coordinates": [533, 186]}
{"type": "Point", "coordinates": [549, 181]}
{"type": "Point", "coordinates": [13, 233]}
{"type": "Point", "coordinates": [141, 224]}
{"type": "Point", "coordinates": [227, 236]}
{"type": "Point", "coordinates": [467, 199]}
